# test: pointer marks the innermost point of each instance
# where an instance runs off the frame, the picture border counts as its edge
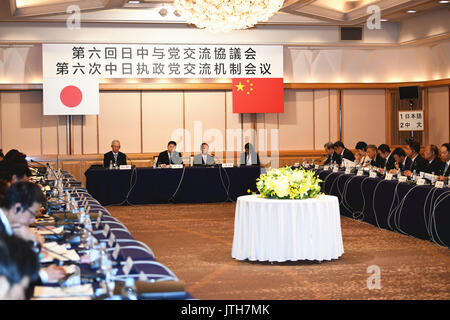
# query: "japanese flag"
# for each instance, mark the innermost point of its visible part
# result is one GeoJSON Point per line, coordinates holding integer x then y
{"type": "Point", "coordinates": [71, 96]}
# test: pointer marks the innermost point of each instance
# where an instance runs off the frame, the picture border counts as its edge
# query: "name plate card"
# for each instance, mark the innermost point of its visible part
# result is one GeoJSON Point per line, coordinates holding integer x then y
{"type": "Point", "coordinates": [125, 167]}
{"type": "Point", "coordinates": [228, 165]}
{"type": "Point", "coordinates": [402, 179]}
{"type": "Point", "coordinates": [142, 276]}
{"type": "Point", "coordinates": [116, 251]}
{"type": "Point", "coordinates": [316, 166]}
{"type": "Point", "coordinates": [106, 230]}
{"type": "Point", "coordinates": [128, 265]}
{"type": "Point", "coordinates": [335, 169]}
{"type": "Point", "coordinates": [348, 170]}
{"type": "Point", "coordinates": [176, 166]}
{"type": "Point", "coordinates": [326, 168]}
{"type": "Point", "coordinates": [112, 239]}
{"type": "Point", "coordinates": [99, 220]}
{"type": "Point", "coordinates": [373, 174]}
{"type": "Point", "coordinates": [296, 164]}
{"type": "Point", "coordinates": [439, 184]}
{"type": "Point", "coordinates": [388, 176]}
{"type": "Point", "coordinates": [360, 173]}
{"type": "Point", "coordinates": [421, 182]}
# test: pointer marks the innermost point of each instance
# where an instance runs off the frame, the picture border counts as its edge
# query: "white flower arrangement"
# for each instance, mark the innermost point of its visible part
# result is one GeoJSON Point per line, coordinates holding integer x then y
{"type": "Point", "coordinates": [288, 183]}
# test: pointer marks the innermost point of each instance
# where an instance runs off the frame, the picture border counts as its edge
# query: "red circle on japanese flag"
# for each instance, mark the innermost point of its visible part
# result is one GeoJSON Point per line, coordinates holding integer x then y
{"type": "Point", "coordinates": [71, 96]}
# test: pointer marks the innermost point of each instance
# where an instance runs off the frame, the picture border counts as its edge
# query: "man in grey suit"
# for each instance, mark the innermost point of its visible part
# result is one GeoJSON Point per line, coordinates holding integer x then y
{"type": "Point", "coordinates": [204, 158]}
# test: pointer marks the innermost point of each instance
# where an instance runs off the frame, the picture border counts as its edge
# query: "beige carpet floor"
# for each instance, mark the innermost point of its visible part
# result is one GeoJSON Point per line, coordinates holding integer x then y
{"type": "Point", "coordinates": [195, 242]}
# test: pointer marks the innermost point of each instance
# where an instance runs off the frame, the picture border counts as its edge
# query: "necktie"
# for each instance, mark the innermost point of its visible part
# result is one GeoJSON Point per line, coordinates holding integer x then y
{"type": "Point", "coordinates": [170, 159]}
{"type": "Point", "coordinates": [115, 157]}
{"type": "Point", "coordinates": [445, 169]}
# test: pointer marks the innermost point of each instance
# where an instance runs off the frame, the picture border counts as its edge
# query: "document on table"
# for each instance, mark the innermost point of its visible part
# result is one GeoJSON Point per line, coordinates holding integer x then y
{"type": "Point", "coordinates": [62, 292]}
{"type": "Point", "coordinates": [56, 251]}
{"type": "Point", "coordinates": [50, 231]}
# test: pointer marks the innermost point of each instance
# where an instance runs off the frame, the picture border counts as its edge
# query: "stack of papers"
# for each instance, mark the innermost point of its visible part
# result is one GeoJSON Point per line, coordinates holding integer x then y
{"type": "Point", "coordinates": [85, 290]}
{"type": "Point", "coordinates": [60, 252]}
{"type": "Point", "coordinates": [53, 230]}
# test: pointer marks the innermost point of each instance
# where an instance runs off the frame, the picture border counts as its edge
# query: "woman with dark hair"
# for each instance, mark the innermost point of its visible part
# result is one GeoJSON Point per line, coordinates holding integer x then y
{"type": "Point", "coordinates": [361, 156]}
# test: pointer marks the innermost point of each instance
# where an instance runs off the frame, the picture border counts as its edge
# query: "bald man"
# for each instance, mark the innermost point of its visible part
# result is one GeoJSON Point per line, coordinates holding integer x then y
{"type": "Point", "coordinates": [114, 156]}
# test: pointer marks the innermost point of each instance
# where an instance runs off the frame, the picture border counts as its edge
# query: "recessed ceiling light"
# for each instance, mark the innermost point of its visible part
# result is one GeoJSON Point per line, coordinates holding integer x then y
{"type": "Point", "coordinates": [411, 11]}
{"type": "Point", "coordinates": [444, 1]}
{"type": "Point", "coordinates": [134, 1]}
{"type": "Point", "coordinates": [384, 20]}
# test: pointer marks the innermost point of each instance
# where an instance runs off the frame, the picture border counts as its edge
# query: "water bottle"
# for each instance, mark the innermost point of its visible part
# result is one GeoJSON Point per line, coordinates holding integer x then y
{"type": "Point", "coordinates": [414, 177]}
{"type": "Point", "coordinates": [433, 178]}
{"type": "Point", "coordinates": [129, 290]}
{"type": "Point", "coordinates": [81, 216]}
{"type": "Point", "coordinates": [110, 164]}
{"type": "Point", "coordinates": [94, 254]}
{"type": "Point", "coordinates": [105, 262]}
{"type": "Point", "coordinates": [74, 206]}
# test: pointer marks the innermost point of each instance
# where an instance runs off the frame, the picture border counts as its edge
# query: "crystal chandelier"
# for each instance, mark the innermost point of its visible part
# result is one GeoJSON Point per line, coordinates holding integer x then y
{"type": "Point", "coordinates": [226, 15]}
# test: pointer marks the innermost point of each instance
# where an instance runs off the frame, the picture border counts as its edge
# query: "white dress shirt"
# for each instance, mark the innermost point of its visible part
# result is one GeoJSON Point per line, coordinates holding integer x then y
{"type": "Point", "coordinates": [248, 161]}
{"type": "Point", "coordinates": [6, 223]}
{"type": "Point", "coordinates": [42, 273]}
{"type": "Point", "coordinates": [204, 156]}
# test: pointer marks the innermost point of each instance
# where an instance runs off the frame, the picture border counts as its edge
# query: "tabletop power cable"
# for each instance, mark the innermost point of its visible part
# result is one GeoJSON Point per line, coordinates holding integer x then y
{"type": "Point", "coordinates": [132, 185]}
{"type": "Point", "coordinates": [359, 215]}
{"type": "Point", "coordinates": [179, 185]}
{"type": "Point", "coordinates": [431, 224]}
{"type": "Point", "coordinates": [438, 201]}
{"type": "Point", "coordinates": [227, 189]}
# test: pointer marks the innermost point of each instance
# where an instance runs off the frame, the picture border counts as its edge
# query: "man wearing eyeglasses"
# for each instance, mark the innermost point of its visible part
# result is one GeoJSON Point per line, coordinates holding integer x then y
{"type": "Point", "coordinates": [18, 209]}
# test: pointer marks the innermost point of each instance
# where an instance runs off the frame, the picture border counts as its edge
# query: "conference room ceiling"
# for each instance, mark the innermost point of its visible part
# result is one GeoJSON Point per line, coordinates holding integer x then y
{"type": "Point", "coordinates": [294, 12]}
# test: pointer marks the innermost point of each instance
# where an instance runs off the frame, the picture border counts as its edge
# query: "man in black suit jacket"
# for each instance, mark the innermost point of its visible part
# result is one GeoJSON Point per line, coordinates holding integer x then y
{"type": "Point", "coordinates": [342, 152]}
{"type": "Point", "coordinates": [114, 156]}
{"type": "Point", "coordinates": [418, 163]}
{"type": "Point", "coordinates": [375, 159]}
{"type": "Point", "coordinates": [435, 165]}
{"type": "Point", "coordinates": [332, 156]}
{"type": "Point", "coordinates": [445, 154]}
{"type": "Point", "coordinates": [169, 156]}
{"type": "Point", "coordinates": [389, 162]}
{"type": "Point", "coordinates": [402, 162]}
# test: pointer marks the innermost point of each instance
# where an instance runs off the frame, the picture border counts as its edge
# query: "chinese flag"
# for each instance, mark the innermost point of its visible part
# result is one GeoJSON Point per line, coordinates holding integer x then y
{"type": "Point", "coordinates": [258, 95]}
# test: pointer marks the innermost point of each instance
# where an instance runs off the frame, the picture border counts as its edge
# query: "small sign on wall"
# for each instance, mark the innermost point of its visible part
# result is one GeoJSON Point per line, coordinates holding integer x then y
{"type": "Point", "coordinates": [411, 120]}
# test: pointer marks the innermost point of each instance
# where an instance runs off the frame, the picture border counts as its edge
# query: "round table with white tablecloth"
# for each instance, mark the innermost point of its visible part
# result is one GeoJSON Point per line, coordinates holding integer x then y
{"type": "Point", "coordinates": [287, 230]}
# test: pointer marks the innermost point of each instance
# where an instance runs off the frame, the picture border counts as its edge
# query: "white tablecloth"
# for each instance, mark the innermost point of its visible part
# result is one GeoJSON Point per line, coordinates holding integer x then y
{"type": "Point", "coordinates": [282, 230]}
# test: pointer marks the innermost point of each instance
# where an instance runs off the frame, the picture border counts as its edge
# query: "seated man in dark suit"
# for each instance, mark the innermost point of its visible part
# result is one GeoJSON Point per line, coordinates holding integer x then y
{"type": "Point", "coordinates": [18, 209]}
{"type": "Point", "coordinates": [169, 156]}
{"type": "Point", "coordinates": [418, 164]}
{"type": "Point", "coordinates": [249, 157]}
{"type": "Point", "coordinates": [332, 156]}
{"type": "Point", "coordinates": [114, 157]}
{"type": "Point", "coordinates": [445, 155]}
{"type": "Point", "coordinates": [435, 165]}
{"type": "Point", "coordinates": [342, 152]}
{"type": "Point", "coordinates": [402, 162]}
{"type": "Point", "coordinates": [19, 267]}
{"type": "Point", "coordinates": [389, 162]}
{"type": "Point", "coordinates": [375, 159]}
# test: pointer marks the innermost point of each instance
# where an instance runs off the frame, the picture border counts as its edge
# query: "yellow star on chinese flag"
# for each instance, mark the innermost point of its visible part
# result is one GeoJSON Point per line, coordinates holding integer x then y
{"type": "Point", "coordinates": [240, 86]}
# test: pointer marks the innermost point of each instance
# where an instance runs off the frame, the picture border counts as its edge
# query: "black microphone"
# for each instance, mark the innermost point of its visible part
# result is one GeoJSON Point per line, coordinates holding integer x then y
{"type": "Point", "coordinates": [42, 164]}
{"type": "Point", "coordinates": [129, 159]}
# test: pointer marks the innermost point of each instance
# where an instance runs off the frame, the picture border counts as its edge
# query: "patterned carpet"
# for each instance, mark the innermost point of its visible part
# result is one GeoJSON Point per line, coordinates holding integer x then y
{"type": "Point", "coordinates": [195, 241]}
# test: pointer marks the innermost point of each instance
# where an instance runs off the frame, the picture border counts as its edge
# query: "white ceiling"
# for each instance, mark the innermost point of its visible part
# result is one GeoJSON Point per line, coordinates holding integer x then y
{"type": "Point", "coordinates": [294, 12]}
